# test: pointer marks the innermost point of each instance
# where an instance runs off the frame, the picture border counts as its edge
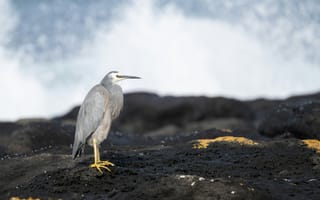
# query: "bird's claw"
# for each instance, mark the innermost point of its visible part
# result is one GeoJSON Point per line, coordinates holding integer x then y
{"type": "Point", "coordinates": [102, 164]}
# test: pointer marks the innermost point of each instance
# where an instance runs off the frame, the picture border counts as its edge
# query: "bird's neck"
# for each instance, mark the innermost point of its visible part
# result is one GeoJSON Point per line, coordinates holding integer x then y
{"type": "Point", "coordinates": [106, 82]}
{"type": "Point", "coordinates": [110, 85]}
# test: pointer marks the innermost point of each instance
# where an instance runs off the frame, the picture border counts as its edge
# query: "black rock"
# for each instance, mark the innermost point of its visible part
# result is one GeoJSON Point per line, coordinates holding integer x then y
{"type": "Point", "coordinates": [301, 120]}
{"type": "Point", "coordinates": [154, 145]}
{"type": "Point", "coordinates": [26, 136]}
{"type": "Point", "coordinates": [145, 112]}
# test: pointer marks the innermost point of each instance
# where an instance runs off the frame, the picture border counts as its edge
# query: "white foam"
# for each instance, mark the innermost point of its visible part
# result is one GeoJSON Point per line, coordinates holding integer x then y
{"type": "Point", "coordinates": [15, 87]}
{"type": "Point", "coordinates": [182, 55]}
{"type": "Point", "coordinates": [174, 53]}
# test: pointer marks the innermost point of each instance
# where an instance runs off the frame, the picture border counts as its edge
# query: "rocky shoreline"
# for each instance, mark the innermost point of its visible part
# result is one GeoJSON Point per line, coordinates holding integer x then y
{"type": "Point", "coordinates": [172, 148]}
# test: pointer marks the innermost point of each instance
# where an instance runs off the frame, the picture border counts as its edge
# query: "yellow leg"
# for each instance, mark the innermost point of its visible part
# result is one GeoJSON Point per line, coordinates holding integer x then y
{"type": "Point", "coordinates": [97, 162]}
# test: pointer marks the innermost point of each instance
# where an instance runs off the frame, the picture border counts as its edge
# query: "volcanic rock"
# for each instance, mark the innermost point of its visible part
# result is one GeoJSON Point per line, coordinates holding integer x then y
{"type": "Point", "coordinates": [299, 120]}
{"type": "Point", "coordinates": [172, 148]}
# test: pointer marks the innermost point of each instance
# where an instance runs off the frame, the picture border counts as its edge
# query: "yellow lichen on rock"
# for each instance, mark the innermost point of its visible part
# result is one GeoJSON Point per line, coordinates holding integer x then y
{"type": "Point", "coordinates": [204, 143]}
{"type": "Point", "coordinates": [313, 144]}
{"type": "Point", "coordinates": [30, 198]}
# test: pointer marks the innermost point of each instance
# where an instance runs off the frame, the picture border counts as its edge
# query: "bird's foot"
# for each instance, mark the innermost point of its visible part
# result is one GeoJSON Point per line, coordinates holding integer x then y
{"type": "Point", "coordinates": [102, 164]}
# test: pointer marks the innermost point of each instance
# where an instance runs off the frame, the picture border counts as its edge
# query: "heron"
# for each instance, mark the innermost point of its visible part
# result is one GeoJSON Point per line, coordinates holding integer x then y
{"type": "Point", "coordinates": [100, 107]}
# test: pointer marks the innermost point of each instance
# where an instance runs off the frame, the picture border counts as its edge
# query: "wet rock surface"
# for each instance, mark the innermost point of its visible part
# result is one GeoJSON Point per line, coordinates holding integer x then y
{"type": "Point", "coordinates": [172, 148]}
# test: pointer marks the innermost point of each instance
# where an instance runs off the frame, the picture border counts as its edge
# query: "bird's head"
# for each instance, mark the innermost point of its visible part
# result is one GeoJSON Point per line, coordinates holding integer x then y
{"type": "Point", "coordinates": [115, 77]}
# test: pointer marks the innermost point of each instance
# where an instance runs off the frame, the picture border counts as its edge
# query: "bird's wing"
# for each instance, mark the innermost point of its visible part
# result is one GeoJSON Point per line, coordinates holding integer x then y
{"type": "Point", "coordinates": [90, 115]}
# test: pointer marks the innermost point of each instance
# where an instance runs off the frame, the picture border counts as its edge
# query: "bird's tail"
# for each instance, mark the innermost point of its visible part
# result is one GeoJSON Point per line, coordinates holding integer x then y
{"type": "Point", "coordinates": [78, 147]}
{"type": "Point", "coordinates": [77, 151]}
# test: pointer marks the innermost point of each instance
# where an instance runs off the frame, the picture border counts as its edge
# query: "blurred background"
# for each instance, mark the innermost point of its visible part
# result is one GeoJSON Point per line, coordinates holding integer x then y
{"type": "Point", "coordinates": [53, 52]}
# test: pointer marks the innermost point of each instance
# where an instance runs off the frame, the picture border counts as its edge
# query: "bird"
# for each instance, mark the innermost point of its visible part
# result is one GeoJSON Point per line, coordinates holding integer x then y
{"type": "Point", "coordinates": [100, 107]}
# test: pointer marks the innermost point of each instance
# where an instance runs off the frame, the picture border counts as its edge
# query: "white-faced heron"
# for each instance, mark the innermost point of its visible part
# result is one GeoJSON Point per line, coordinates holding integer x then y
{"type": "Point", "coordinates": [100, 107]}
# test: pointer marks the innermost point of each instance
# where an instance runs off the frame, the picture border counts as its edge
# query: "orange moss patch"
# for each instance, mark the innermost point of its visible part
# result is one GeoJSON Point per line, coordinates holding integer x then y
{"type": "Point", "coordinates": [312, 144]}
{"type": "Point", "coordinates": [204, 143]}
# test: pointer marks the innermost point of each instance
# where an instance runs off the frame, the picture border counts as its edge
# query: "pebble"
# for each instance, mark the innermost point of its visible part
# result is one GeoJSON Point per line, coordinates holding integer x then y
{"type": "Point", "coordinates": [287, 180]}
{"type": "Point", "coordinates": [182, 176]}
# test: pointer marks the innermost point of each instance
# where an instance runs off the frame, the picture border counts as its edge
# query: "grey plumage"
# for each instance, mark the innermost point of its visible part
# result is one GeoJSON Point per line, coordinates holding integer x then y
{"type": "Point", "coordinates": [100, 107]}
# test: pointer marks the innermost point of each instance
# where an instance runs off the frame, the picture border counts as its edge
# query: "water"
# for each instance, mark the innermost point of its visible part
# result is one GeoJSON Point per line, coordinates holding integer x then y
{"type": "Point", "coordinates": [52, 52]}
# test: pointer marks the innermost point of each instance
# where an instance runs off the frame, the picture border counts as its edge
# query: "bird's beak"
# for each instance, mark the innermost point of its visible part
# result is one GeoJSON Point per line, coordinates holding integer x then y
{"type": "Point", "coordinates": [128, 77]}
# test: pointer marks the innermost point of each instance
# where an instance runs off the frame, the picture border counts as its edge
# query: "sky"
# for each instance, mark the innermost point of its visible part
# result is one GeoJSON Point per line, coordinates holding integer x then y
{"type": "Point", "coordinates": [53, 52]}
